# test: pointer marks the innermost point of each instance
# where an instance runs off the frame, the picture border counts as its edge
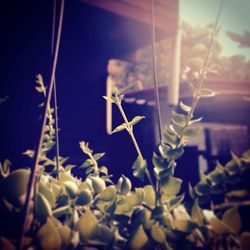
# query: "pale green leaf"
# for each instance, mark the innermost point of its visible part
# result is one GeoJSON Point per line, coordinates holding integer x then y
{"type": "Point", "coordinates": [172, 186]}
{"type": "Point", "coordinates": [170, 138]}
{"type": "Point", "coordinates": [159, 163]}
{"type": "Point", "coordinates": [57, 190]}
{"type": "Point", "coordinates": [196, 121]}
{"type": "Point", "coordinates": [87, 225]}
{"type": "Point", "coordinates": [197, 214]}
{"type": "Point", "coordinates": [48, 194]}
{"type": "Point", "coordinates": [108, 194]}
{"type": "Point", "coordinates": [41, 88]}
{"type": "Point", "coordinates": [236, 159]}
{"type": "Point", "coordinates": [219, 227]}
{"type": "Point", "coordinates": [124, 185]}
{"type": "Point", "coordinates": [30, 153]}
{"type": "Point", "coordinates": [119, 128]}
{"type": "Point", "coordinates": [217, 175]}
{"type": "Point", "coordinates": [42, 208]}
{"type": "Point", "coordinates": [103, 170]}
{"type": "Point", "coordinates": [171, 154]}
{"type": "Point", "coordinates": [65, 235]}
{"type": "Point", "coordinates": [14, 185]}
{"type": "Point", "coordinates": [85, 147]}
{"type": "Point", "coordinates": [98, 184]}
{"type": "Point", "coordinates": [185, 107]}
{"type": "Point", "coordinates": [138, 239]}
{"type": "Point", "coordinates": [5, 169]}
{"type": "Point", "coordinates": [232, 219]}
{"type": "Point", "coordinates": [71, 188]}
{"type": "Point", "coordinates": [164, 149]}
{"type": "Point", "coordinates": [149, 198]}
{"type": "Point", "coordinates": [246, 155]}
{"type": "Point", "coordinates": [157, 233]}
{"type": "Point", "coordinates": [110, 99]}
{"type": "Point", "coordinates": [98, 156]}
{"type": "Point", "coordinates": [136, 119]}
{"type": "Point", "coordinates": [87, 163]}
{"type": "Point", "coordinates": [139, 192]}
{"type": "Point", "coordinates": [48, 237]}
{"type": "Point", "coordinates": [139, 168]}
{"type": "Point", "coordinates": [174, 202]}
{"type": "Point", "coordinates": [179, 118]}
{"type": "Point", "coordinates": [66, 176]}
{"type": "Point", "coordinates": [176, 128]}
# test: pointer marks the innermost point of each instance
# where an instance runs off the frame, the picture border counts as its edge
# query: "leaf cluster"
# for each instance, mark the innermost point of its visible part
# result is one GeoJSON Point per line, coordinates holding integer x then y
{"type": "Point", "coordinates": [224, 180]}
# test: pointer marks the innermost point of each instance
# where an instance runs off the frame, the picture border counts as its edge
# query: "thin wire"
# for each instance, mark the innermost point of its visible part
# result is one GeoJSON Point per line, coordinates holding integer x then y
{"type": "Point", "coordinates": [55, 95]}
{"type": "Point", "coordinates": [155, 69]}
{"type": "Point", "coordinates": [35, 170]}
{"type": "Point", "coordinates": [53, 27]}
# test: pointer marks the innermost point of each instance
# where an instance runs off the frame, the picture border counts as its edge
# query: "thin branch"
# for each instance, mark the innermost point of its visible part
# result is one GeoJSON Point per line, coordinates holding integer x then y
{"type": "Point", "coordinates": [158, 107]}
{"type": "Point", "coordinates": [34, 170]}
{"type": "Point", "coordinates": [131, 133]}
{"type": "Point", "coordinates": [55, 95]}
{"type": "Point", "coordinates": [53, 27]}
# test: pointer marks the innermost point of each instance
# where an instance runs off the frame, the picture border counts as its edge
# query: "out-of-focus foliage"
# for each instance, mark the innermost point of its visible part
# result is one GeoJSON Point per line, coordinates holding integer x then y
{"type": "Point", "coordinates": [194, 44]}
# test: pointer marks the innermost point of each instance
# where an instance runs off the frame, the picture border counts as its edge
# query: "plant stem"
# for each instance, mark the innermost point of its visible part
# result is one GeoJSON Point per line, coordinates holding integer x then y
{"type": "Point", "coordinates": [93, 160]}
{"type": "Point", "coordinates": [203, 71]}
{"type": "Point", "coordinates": [131, 133]}
{"type": "Point", "coordinates": [56, 131]}
{"type": "Point", "coordinates": [153, 42]}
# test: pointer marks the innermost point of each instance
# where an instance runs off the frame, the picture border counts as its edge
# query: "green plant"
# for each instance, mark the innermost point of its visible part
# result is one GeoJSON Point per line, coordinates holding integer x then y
{"type": "Point", "coordinates": [224, 180]}
{"type": "Point", "coordinates": [70, 213]}
{"type": "Point", "coordinates": [67, 212]}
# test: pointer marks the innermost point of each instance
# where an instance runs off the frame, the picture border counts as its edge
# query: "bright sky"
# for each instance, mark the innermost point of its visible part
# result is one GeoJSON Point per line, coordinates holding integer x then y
{"type": "Point", "coordinates": [235, 17]}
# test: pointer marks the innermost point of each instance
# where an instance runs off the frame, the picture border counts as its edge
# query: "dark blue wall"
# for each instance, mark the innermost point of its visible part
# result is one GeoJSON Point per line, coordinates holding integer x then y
{"type": "Point", "coordinates": [90, 37]}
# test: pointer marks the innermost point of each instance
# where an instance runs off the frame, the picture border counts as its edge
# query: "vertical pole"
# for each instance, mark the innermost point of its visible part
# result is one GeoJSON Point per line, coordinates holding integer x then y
{"type": "Point", "coordinates": [174, 86]}
{"type": "Point", "coordinates": [109, 87]}
{"type": "Point", "coordinates": [157, 96]}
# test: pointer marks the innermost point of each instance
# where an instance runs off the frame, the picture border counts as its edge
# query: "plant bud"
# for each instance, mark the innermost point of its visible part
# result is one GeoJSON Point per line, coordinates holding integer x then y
{"type": "Point", "coordinates": [98, 184]}
{"type": "Point", "coordinates": [124, 185]}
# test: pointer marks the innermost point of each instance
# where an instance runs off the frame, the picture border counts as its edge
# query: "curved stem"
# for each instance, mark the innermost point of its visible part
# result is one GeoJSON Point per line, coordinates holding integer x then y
{"type": "Point", "coordinates": [196, 96]}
